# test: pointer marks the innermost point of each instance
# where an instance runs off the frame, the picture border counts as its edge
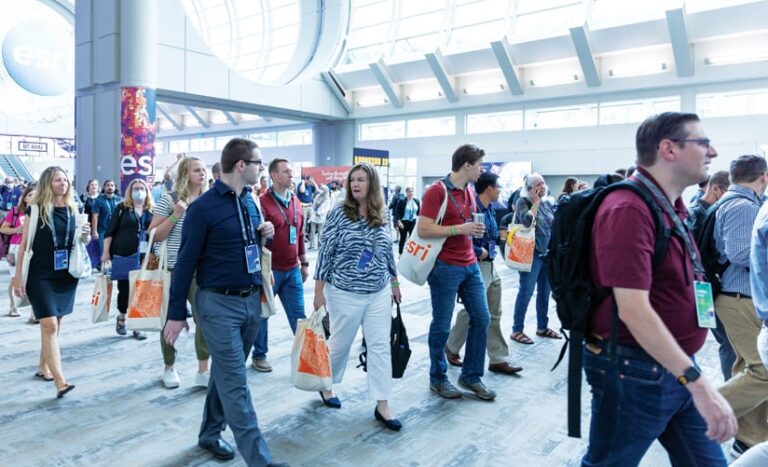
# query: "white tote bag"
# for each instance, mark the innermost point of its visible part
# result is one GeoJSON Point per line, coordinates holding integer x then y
{"type": "Point", "coordinates": [521, 246]}
{"type": "Point", "coordinates": [79, 261]}
{"type": "Point", "coordinates": [310, 357]}
{"type": "Point", "coordinates": [268, 302]}
{"type": "Point", "coordinates": [101, 298]}
{"type": "Point", "coordinates": [34, 217]}
{"type": "Point", "coordinates": [150, 292]}
{"type": "Point", "coordinates": [420, 254]}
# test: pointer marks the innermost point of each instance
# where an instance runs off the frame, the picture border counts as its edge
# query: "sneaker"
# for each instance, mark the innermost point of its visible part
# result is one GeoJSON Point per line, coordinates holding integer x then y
{"type": "Point", "coordinates": [139, 336]}
{"type": "Point", "coordinates": [479, 389]}
{"type": "Point", "coordinates": [171, 378]}
{"type": "Point", "coordinates": [261, 364]}
{"type": "Point", "coordinates": [738, 448]}
{"type": "Point", "coordinates": [201, 380]}
{"type": "Point", "coordinates": [447, 390]}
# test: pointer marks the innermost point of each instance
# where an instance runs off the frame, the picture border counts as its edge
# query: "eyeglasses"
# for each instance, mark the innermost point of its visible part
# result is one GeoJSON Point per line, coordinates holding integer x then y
{"type": "Point", "coordinates": [252, 161]}
{"type": "Point", "coordinates": [703, 142]}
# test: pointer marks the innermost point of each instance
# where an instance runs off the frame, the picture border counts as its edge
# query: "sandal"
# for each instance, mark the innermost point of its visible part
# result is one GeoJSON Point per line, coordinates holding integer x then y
{"type": "Point", "coordinates": [14, 313]}
{"type": "Point", "coordinates": [120, 326]}
{"type": "Point", "coordinates": [549, 333]}
{"type": "Point", "coordinates": [521, 338]}
{"type": "Point", "coordinates": [33, 320]}
{"type": "Point", "coordinates": [60, 392]}
{"type": "Point", "coordinates": [42, 376]}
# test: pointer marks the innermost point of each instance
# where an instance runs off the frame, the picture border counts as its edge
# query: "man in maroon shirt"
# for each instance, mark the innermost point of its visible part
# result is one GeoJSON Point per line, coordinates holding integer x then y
{"type": "Point", "coordinates": [289, 263]}
{"type": "Point", "coordinates": [650, 387]}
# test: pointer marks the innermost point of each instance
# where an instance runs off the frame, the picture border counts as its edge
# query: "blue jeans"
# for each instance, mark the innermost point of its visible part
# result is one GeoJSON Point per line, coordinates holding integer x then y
{"type": "Point", "coordinates": [290, 289]}
{"type": "Point", "coordinates": [636, 401]}
{"type": "Point", "coordinates": [230, 325]}
{"type": "Point", "coordinates": [528, 280]}
{"type": "Point", "coordinates": [445, 282]}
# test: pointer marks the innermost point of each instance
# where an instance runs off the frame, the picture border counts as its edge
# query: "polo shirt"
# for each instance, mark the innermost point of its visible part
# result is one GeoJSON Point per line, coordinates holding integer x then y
{"type": "Point", "coordinates": [284, 255]}
{"type": "Point", "coordinates": [623, 242]}
{"type": "Point", "coordinates": [457, 249]}
{"type": "Point", "coordinates": [104, 207]}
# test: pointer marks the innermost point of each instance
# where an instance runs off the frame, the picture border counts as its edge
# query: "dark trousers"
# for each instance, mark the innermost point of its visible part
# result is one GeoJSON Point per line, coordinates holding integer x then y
{"type": "Point", "coordinates": [123, 290]}
{"type": "Point", "coordinates": [405, 232]}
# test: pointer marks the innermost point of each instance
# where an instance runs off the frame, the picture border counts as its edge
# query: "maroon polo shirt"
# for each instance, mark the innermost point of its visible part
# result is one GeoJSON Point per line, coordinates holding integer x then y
{"type": "Point", "coordinates": [284, 255]}
{"type": "Point", "coordinates": [623, 241]}
{"type": "Point", "coordinates": [457, 249]}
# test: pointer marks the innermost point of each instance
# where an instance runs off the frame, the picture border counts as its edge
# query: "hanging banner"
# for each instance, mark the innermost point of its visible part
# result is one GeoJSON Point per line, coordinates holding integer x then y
{"type": "Point", "coordinates": [377, 158]}
{"type": "Point", "coordinates": [137, 142]}
{"type": "Point", "coordinates": [325, 175]}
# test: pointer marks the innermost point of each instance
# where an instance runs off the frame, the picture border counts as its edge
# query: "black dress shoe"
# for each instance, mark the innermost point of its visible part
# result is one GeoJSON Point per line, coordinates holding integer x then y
{"type": "Point", "coordinates": [332, 402]}
{"type": "Point", "coordinates": [220, 449]}
{"type": "Point", "coordinates": [391, 424]}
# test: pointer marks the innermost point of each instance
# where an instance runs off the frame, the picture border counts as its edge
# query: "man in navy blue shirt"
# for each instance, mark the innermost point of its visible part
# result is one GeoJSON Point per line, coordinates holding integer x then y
{"type": "Point", "coordinates": [221, 243]}
{"type": "Point", "coordinates": [103, 207]}
{"type": "Point", "coordinates": [9, 194]}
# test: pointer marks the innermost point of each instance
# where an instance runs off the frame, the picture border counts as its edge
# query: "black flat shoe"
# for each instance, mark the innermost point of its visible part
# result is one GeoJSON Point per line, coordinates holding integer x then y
{"type": "Point", "coordinates": [391, 424]}
{"type": "Point", "coordinates": [220, 449]}
{"type": "Point", "coordinates": [332, 402]}
{"type": "Point", "coordinates": [61, 392]}
{"type": "Point", "coordinates": [43, 377]}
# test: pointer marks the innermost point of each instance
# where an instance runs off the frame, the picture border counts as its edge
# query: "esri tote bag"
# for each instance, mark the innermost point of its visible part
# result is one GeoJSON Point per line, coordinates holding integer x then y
{"type": "Point", "coordinates": [521, 244]}
{"type": "Point", "coordinates": [149, 293]}
{"type": "Point", "coordinates": [420, 254]}
{"type": "Point", "coordinates": [34, 217]}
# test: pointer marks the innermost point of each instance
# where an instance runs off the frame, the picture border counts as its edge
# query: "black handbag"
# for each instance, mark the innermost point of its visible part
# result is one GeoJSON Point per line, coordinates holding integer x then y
{"type": "Point", "coordinates": [400, 349]}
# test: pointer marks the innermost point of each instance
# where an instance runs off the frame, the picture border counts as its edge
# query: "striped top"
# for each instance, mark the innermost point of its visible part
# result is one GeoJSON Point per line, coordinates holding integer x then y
{"type": "Point", "coordinates": [165, 208]}
{"type": "Point", "coordinates": [343, 245]}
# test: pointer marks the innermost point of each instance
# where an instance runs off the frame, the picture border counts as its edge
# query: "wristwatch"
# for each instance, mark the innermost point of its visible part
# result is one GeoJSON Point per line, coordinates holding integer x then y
{"type": "Point", "coordinates": [305, 264]}
{"type": "Point", "coordinates": [690, 375]}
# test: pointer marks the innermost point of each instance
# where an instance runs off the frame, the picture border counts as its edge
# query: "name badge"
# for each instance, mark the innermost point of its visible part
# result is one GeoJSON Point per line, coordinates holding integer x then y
{"type": "Point", "coordinates": [60, 260]}
{"type": "Point", "coordinates": [253, 258]}
{"type": "Point", "coordinates": [705, 305]}
{"type": "Point", "coordinates": [143, 247]}
{"type": "Point", "coordinates": [365, 259]}
{"type": "Point", "coordinates": [292, 235]}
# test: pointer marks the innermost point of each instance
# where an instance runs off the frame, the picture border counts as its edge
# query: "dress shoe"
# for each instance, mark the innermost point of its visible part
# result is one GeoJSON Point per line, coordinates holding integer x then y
{"type": "Point", "coordinates": [219, 448]}
{"type": "Point", "coordinates": [453, 358]}
{"type": "Point", "coordinates": [332, 402]}
{"type": "Point", "coordinates": [480, 390]}
{"type": "Point", "coordinates": [391, 424]}
{"type": "Point", "coordinates": [504, 368]}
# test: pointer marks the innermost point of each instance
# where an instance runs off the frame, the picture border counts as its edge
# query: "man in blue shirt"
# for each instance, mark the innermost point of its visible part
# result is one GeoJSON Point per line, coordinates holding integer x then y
{"type": "Point", "coordinates": [488, 191]}
{"type": "Point", "coordinates": [221, 244]}
{"type": "Point", "coordinates": [306, 193]}
{"type": "Point", "coordinates": [10, 193]}
{"type": "Point", "coordinates": [103, 208]}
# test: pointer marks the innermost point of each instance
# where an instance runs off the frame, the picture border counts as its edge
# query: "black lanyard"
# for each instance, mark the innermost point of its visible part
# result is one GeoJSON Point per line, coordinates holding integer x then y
{"type": "Point", "coordinates": [279, 204]}
{"type": "Point", "coordinates": [53, 228]}
{"type": "Point", "coordinates": [682, 230]}
{"type": "Point", "coordinates": [466, 208]}
{"type": "Point", "coordinates": [246, 227]}
{"type": "Point", "coordinates": [140, 220]}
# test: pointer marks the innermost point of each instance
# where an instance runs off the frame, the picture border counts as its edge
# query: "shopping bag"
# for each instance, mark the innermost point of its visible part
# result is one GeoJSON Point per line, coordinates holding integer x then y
{"type": "Point", "coordinates": [149, 293]}
{"type": "Point", "coordinates": [268, 302]}
{"type": "Point", "coordinates": [420, 254]}
{"type": "Point", "coordinates": [521, 245]}
{"type": "Point", "coordinates": [400, 349]}
{"type": "Point", "coordinates": [79, 261]}
{"type": "Point", "coordinates": [34, 216]}
{"type": "Point", "coordinates": [101, 298]}
{"type": "Point", "coordinates": [310, 357]}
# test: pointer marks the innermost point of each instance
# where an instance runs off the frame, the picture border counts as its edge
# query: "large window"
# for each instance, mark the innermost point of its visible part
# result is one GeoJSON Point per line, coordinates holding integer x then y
{"type": "Point", "coordinates": [619, 112]}
{"type": "Point", "coordinates": [730, 104]}
{"type": "Point", "coordinates": [561, 117]}
{"type": "Point", "coordinates": [202, 144]}
{"type": "Point", "coordinates": [264, 140]}
{"type": "Point", "coordinates": [382, 130]}
{"type": "Point", "coordinates": [495, 122]}
{"type": "Point", "coordinates": [178, 145]}
{"type": "Point", "coordinates": [438, 126]}
{"type": "Point", "coordinates": [295, 137]}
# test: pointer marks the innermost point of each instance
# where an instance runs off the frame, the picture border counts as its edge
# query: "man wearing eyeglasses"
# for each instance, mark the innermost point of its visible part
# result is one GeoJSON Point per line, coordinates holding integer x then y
{"type": "Point", "coordinates": [220, 244]}
{"type": "Point", "coordinates": [747, 390]}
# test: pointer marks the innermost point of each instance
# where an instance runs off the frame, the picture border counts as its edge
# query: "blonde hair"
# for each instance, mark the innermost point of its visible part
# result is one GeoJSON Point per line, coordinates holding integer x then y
{"type": "Point", "coordinates": [375, 197]}
{"type": "Point", "coordinates": [128, 200]}
{"type": "Point", "coordinates": [44, 196]}
{"type": "Point", "coordinates": [181, 184]}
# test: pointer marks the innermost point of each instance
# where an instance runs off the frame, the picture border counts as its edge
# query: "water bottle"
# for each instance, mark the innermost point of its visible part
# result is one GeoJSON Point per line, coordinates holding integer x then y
{"type": "Point", "coordinates": [182, 342]}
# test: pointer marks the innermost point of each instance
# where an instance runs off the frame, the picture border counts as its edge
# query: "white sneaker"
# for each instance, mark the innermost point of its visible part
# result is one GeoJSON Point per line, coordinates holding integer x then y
{"type": "Point", "coordinates": [201, 380]}
{"type": "Point", "coordinates": [171, 378]}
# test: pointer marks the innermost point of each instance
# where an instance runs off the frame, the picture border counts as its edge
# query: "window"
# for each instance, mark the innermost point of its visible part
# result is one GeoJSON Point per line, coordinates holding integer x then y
{"type": "Point", "coordinates": [264, 140]}
{"type": "Point", "coordinates": [561, 117]}
{"type": "Point", "coordinates": [494, 122]}
{"type": "Point", "coordinates": [730, 104]}
{"type": "Point", "coordinates": [382, 130]}
{"type": "Point", "coordinates": [403, 172]}
{"type": "Point", "coordinates": [439, 126]}
{"type": "Point", "coordinates": [178, 145]}
{"type": "Point", "coordinates": [295, 137]}
{"type": "Point", "coordinates": [616, 113]}
{"type": "Point", "coordinates": [201, 144]}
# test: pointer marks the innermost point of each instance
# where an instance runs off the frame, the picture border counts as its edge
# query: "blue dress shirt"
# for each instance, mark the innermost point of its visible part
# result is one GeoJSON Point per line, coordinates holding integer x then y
{"type": "Point", "coordinates": [758, 261]}
{"type": "Point", "coordinates": [733, 236]}
{"type": "Point", "coordinates": [488, 241]}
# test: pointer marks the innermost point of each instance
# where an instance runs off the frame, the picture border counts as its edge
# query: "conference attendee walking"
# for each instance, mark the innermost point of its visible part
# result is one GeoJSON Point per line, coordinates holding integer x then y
{"type": "Point", "coordinates": [53, 292]}
{"type": "Point", "coordinates": [168, 220]}
{"type": "Point", "coordinates": [88, 198]}
{"type": "Point", "coordinates": [125, 244]}
{"type": "Point", "coordinates": [102, 210]}
{"type": "Point", "coordinates": [283, 209]}
{"type": "Point", "coordinates": [320, 209]}
{"type": "Point", "coordinates": [13, 226]}
{"type": "Point", "coordinates": [406, 211]}
{"type": "Point", "coordinates": [356, 279]}
{"type": "Point", "coordinates": [221, 244]}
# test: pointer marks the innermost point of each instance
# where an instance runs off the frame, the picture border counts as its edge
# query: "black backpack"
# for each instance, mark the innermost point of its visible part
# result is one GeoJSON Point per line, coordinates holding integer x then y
{"type": "Point", "coordinates": [568, 270]}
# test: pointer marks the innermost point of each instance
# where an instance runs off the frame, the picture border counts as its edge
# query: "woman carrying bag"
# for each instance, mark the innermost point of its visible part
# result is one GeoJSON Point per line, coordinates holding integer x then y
{"type": "Point", "coordinates": [51, 224]}
{"type": "Point", "coordinates": [13, 225]}
{"type": "Point", "coordinates": [356, 279]}
{"type": "Point", "coordinates": [125, 244]}
{"type": "Point", "coordinates": [320, 208]}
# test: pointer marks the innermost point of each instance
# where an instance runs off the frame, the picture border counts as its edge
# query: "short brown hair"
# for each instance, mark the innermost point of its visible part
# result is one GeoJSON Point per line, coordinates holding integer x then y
{"type": "Point", "coordinates": [747, 168]}
{"type": "Point", "coordinates": [236, 150]}
{"type": "Point", "coordinates": [721, 178]}
{"type": "Point", "coordinates": [466, 153]}
{"type": "Point", "coordinates": [666, 125]}
{"type": "Point", "coordinates": [274, 163]}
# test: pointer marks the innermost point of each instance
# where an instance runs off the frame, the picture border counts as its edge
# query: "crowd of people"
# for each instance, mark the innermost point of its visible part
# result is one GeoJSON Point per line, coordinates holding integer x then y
{"type": "Point", "coordinates": [639, 356]}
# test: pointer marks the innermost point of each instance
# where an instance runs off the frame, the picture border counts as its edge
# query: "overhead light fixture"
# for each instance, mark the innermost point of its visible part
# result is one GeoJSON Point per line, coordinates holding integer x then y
{"type": "Point", "coordinates": [423, 95]}
{"type": "Point", "coordinates": [733, 58]}
{"type": "Point", "coordinates": [642, 70]}
{"type": "Point", "coordinates": [554, 81]}
{"type": "Point", "coordinates": [371, 101]}
{"type": "Point", "coordinates": [483, 89]}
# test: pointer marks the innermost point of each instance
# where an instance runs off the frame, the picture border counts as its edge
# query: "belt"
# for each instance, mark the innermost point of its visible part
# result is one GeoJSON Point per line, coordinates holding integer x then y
{"type": "Point", "coordinates": [235, 292]}
{"type": "Point", "coordinates": [622, 350]}
{"type": "Point", "coordinates": [735, 294]}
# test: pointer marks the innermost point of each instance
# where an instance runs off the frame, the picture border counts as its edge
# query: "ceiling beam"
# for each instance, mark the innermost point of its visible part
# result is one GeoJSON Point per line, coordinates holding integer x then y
{"type": "Point", "coordinates": [196, 114]}
{"type": "Point", "coordinates": [436, 63]}
{"type": "Point", "coordinates": [232, 119]}
{"type": "Point", "coordinates": [337, 89]}
{"type": "Point", "coordinates": [170, 117]}
{"type": "Point", "coordinates": [383, 76]}
{"type": "Point", "coordinates": [681, 47]}
{"type": "Point", "coordinates": [501, 50]}
{"type": "Point", "coordinates": [581, 42]}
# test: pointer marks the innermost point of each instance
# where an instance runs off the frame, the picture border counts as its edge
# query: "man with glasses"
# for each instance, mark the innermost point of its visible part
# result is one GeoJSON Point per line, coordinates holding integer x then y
{"type": "Point", "coordinates": [221, 244]}
{"type": "Point", "coordinates": [488, 191]}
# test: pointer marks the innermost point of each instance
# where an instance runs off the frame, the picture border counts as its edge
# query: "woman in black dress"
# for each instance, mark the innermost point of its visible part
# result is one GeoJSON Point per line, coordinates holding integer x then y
{"type": "Point", "coordinates": [88, 198]}
{"type": "Point", "coordinates": [51, 288]}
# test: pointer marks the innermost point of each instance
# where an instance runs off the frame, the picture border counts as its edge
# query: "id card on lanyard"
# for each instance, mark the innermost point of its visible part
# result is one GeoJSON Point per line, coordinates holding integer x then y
{"type": "Point", "coordinates": [143, 243]}
{"type": "Point", "coordinates": [60, 253]}
{"type": "Point", "coordinates": [368, 251]}
{"type": "Point", "coordinates": [292, 234]}
{"type": "Point", "coordinates": [252, 254]}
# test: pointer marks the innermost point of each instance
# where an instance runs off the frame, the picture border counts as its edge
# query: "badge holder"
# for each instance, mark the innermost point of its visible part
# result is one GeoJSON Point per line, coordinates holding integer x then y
{"type": "Point", "coordinates": [705, 305]}
{"type": "Point", "coordinates": [252, 259]}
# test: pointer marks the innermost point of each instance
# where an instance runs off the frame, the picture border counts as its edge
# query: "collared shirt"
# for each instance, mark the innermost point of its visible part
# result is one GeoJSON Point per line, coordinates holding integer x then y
{"type": "Point", "coordinates": [488, 241]}
{"type": "Point", "coordinates": [104, 207]}
{"type": "Point", "coordinates": [697, 213]}
{"type": "Point", "coordinates": [308, 195]}
{"type": "Point", "coordinates": [733, 236]}
{"type": "Point", "coordinates": [758, 263]}
{"type": "Point", "coordinates": [545, 215]}
{"type": "Point", "coordinates": [457, 249]}
{"type": "Point", "coordinates": [285, 200]}
{"type": "Point", "coordinates": [212, 246]}
{"type": "Point", "coordinates": [285, 255]}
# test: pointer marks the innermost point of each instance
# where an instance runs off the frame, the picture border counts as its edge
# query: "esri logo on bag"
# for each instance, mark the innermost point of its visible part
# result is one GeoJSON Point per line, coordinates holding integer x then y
{"type": "Point", "coordinates": [413, 248]}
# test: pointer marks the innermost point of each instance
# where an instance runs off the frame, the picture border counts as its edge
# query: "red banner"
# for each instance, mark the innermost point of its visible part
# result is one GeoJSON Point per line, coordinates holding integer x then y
{"type": "Point", "coordinates": [326, 174]}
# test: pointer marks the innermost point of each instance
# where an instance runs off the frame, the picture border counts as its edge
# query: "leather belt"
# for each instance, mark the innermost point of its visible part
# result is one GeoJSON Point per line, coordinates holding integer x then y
{"type": "Point", "coordinates": [735, 294]}
{"type": "Point", "coordinates": [598, 346]}
{"type": "Point", "coordinates": [235, 292]}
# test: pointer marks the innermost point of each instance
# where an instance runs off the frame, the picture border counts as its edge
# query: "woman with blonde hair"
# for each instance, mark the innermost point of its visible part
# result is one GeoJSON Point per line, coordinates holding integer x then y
{"type": "Point", "coordinates": [357, 279]}
{"type": "Point", "coordinates": [13, 225]}
{"type": "Point", "coordinates": [126, 242]}
{"type": "Point", "coordinates": [169, 220]}
{"type": "Point", "coordinates": [53, 294]}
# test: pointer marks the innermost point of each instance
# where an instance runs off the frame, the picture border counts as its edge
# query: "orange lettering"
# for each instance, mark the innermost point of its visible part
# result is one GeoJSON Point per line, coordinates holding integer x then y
{"type": "Point", "coordinates": [426, 252]}
{"type": "Point", "coordinates": [409, 247]}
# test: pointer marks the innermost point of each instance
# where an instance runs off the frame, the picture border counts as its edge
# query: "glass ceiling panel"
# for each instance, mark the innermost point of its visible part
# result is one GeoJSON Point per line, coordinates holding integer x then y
{"type": "Point", "coordinates": [611, 13]}
{"type": "Point", "coordinates": [692, 6]}
{"type": "Point", "coordinates": [544, 23]}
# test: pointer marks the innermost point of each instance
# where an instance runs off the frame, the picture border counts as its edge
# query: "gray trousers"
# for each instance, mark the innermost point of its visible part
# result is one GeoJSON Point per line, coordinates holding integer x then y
{"type": "Point", "coordinates": [230, 325]}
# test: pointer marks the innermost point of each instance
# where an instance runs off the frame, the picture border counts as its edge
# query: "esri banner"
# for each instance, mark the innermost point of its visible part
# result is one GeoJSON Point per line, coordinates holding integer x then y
{"type": "Point", "coordinates": [137, 142]}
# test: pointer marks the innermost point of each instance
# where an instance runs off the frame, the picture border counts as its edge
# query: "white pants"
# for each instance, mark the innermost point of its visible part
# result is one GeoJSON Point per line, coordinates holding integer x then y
{"type": "Point", "coordinates": [347, 312]}
{"type": "Point", "coordinates": [756, 456]}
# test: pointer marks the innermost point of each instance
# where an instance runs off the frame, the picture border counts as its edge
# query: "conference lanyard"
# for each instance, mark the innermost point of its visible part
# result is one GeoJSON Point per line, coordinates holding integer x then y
{"type": "Point", "coordinates": [279, 204]}
{"type": "Point", "coordinates": [462, 211]}
{"type": "Point", "coordinates": [53, 229]}
{"type": "Point", "coordinates": [246, 226]}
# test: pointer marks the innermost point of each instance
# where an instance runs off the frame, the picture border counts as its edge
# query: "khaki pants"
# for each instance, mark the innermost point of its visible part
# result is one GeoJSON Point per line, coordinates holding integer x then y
{"type": "Point", "coordinates": [497, 346]}
{"type": "Point", "coordinates": [747, 390]}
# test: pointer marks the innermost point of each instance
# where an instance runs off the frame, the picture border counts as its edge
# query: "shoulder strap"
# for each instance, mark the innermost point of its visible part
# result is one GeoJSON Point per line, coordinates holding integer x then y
{"type": "Point", "coordinates": [34, 216]}
{"type": "Point", "coordinates": [174, 197]}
